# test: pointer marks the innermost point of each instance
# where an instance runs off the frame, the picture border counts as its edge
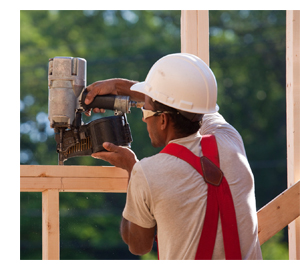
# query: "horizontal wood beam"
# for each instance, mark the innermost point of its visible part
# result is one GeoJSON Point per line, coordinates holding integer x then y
{"type": "Point", "coordinates": [272, 218]}
{"type": "Point", "coordinates": [38, 178]}
{"type": "Point", "coordinates": [278, 213]}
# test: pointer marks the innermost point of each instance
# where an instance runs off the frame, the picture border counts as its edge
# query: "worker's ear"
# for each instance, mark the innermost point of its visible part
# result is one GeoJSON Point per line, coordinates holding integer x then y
{"type": "Point", "coordinates": [164, 121]}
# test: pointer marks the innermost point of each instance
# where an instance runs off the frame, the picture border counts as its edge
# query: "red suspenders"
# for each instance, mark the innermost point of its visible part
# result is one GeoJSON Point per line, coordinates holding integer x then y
{"type": "Point", "coordinates": [219, 199]}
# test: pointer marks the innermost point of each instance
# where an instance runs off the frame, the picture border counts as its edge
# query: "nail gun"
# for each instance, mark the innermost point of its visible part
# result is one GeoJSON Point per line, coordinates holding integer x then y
{"type": "Point", "coordinates": [67, 93]}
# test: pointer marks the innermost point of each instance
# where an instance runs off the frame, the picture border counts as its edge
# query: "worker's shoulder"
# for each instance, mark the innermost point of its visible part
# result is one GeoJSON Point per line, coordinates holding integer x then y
{"type": "Point", "coordinates": [224, 132]}
{"type": "Point", "coordinates": [157, 163]}
{"type": "Point", "coordinates": [157, 158]}
{"type": "Point", "coordinates": [215, 122]}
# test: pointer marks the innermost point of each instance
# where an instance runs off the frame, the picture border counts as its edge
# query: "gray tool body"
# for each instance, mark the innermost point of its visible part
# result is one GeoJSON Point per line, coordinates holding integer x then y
{"type": "Point", "coordinates": [67, 93]}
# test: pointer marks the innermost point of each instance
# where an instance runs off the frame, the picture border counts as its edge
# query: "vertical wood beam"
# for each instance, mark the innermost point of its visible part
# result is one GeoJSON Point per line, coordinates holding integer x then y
{"type": "Point", "coordinates": [293, 118]}
{"type": "Point", "coordinates": [50, 221]}
{"type": "Point", "coordinates": [195, 33]}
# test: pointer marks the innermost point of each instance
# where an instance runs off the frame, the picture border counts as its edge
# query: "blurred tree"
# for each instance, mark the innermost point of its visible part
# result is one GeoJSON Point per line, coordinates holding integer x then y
{"type": "Point", "coordinates": [247, 55]}
{"type": "Point", "coordinates": [248, 58]}
{"type": "Point", "coordinates": [275, 248]}
{"type": "Point", "coordinates": [115, 44]}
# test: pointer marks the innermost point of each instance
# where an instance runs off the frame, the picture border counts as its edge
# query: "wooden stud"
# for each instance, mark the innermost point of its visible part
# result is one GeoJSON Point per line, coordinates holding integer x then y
{"type": "Point", "coordinates": [278, 213]}
{"type": "Point", "coordinates": [195, 33]}
{"type": "Point", "coordinates": [50, 224]}
{"type": "Point", "coordinates": [293, 117]}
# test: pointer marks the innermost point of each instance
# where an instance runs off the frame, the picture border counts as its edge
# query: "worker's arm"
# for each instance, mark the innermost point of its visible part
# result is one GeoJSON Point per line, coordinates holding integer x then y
{"type": "Point", "coordinates": [115, 86]}
{"type": "Point", "coordinates": [139, 239]}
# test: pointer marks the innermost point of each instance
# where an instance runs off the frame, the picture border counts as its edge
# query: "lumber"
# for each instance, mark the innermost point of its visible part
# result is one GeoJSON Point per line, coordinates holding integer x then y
{"type": "Point", "coordinates": [293, 120]}
{"type": "Point", "coordinates": [38, 178]}
{"type": "Point", "coordinates": [195, 33]}
{"type": "Point", "coordinates": [50, 224]}
{"type": "Point", "coordinates": [278, 213]}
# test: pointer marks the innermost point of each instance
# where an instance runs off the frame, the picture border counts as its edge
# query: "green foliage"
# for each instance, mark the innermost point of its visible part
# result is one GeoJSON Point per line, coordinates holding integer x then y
{"type": "Point", "coordinates": [247, 55]}
{"type": "Point", "coordinates": [275, 248]}
{"type": "Point", "coordinates": [150, 256]}
{"type": "Point", "coordinates": [248, 58]}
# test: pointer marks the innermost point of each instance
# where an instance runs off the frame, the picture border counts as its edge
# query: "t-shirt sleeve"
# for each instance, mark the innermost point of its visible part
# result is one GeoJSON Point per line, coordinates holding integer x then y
{"type": "Point", "coordinates": [212, 123]}
{"type": "Point", "coordinates": [139, 207]}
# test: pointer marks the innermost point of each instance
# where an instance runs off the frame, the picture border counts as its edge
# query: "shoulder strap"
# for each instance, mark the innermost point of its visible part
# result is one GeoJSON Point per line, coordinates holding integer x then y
{"type": "Point", "coordinates": [219, 199]}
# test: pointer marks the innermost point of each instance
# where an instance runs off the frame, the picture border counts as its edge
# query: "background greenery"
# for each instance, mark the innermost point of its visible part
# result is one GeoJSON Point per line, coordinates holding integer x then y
{"type": "Point", "coordinates": [247, 55]}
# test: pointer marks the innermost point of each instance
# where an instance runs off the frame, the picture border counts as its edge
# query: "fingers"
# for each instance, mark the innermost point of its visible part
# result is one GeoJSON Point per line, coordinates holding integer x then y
{"type": "Point", "coordinates": [97, 110]}
{"type": "Point", "coordinates": [118, 156]}
{"type": "Point", "coordinates": [92, 92]}
{"type": "Point", "coordinates": [107, 156]}
{"type": "Point", "coordinates": [87, 113]}
{"type": "Point", "coordinates": [100, 88]}
{"type": "Point", "coordinates": [110, 147]}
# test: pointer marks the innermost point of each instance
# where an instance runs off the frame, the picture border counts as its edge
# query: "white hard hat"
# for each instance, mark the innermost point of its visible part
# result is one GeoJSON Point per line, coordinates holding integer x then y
{"type": "Point", "coordinates": [181, 81]}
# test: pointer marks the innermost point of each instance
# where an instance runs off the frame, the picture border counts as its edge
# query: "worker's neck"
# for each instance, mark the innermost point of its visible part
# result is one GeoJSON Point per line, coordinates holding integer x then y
{"type": "Point", "coordinates": [173, 135]}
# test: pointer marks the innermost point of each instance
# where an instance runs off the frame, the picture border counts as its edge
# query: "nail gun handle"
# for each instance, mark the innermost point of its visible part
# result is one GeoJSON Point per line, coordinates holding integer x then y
{"type": "Point", "coordinates": [100, 101]}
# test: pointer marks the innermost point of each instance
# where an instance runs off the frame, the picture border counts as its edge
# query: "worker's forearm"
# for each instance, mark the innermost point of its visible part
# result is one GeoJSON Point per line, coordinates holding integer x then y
{"type": "Point", "coordinates": [124, 230]}
{"type": "Point", "coordinates": [138, 239]}
{"type": "Point", "coordinates": [123, 89]}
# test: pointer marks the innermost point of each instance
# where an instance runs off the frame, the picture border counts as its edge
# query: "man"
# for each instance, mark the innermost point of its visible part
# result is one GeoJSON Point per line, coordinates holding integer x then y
{"type": "Point", "coordinates": [165, 194]}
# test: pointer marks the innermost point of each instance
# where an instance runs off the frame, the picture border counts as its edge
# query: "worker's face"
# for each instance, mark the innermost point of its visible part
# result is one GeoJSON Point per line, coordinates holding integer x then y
{"type": "Point", "coordinates": [153, 125]}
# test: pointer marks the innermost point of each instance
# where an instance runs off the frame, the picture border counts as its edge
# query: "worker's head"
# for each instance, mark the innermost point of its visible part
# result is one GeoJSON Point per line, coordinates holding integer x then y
{"type": "Point", "coordinates": [179, 88]}
{"type": "Point", "coordinates": [181, 81]}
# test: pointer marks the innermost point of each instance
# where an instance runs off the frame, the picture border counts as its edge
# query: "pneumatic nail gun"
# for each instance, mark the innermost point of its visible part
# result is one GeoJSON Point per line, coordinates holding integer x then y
{"type": "Point", "coordinates": [67, 93]}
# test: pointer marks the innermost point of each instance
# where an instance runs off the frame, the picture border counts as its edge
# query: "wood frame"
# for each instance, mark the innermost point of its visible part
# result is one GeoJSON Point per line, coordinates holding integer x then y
{"type": "Point", "coordinates": [293, 121]}
{"type": "Point", "coordinates": [50, 180]}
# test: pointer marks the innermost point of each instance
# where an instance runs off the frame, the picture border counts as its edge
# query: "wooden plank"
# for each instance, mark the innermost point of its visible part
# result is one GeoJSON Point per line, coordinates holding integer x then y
{"type": "Point", "coordinates": [38, 178]}
{"type": "Point", "coordinates": [189, 35]}
{"type": "Point", "coordinates": [71, 171]}
{"type": "Point", "coordinates": [203, 35]}
{"type": "Point", "coordinates": [293, 117]}
{"type": "Point", "coordinates": [278, 213]}
{"type": "Point", "coordinates": [195, 33]}
{"type": "Point", "coordinates": [50, 224]}
{"type": "Point", "coordinates": [71, 184]}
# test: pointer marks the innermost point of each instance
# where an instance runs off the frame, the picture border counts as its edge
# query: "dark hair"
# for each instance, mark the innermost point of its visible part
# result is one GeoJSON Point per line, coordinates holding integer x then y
{"type": "Point", "coordinates": [181, 124]}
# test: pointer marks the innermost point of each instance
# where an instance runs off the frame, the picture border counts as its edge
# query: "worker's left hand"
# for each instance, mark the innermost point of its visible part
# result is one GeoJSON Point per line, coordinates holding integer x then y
{"type": "Point", "coordinates": [118, 156]}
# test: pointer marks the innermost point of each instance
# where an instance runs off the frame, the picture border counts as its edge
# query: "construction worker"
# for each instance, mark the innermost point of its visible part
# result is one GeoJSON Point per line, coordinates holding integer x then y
{"type": "Point", "coordinates": [199, 207]}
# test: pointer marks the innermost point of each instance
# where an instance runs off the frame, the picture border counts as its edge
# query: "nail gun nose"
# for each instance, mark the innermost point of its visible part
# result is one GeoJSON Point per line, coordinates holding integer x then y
{"type": "Point", "coordinates": [137, 104]}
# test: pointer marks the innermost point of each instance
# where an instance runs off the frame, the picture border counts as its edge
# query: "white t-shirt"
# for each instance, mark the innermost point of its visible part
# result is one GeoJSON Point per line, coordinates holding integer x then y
{"type": "Point", "coordinates": [166, 191]}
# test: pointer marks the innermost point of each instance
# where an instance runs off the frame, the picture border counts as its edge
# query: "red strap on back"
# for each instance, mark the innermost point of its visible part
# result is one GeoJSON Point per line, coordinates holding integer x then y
{"type": "Point", "coordinates": [219, 199]}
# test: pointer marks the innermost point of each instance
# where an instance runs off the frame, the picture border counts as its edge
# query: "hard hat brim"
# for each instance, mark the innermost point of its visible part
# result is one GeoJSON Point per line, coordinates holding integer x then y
{"type": "Point", "coordinates": [139, 87]}
{"type": "Point", "coordinates": [144, 88]}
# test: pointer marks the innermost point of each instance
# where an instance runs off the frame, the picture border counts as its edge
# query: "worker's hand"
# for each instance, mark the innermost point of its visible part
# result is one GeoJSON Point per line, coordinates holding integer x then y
{"type": "Point", "coordinates": [118, 156]}
{"type": "Point", "coordinates": [113, 87]}
{"type": "Point", "coordinates": [99, 88]}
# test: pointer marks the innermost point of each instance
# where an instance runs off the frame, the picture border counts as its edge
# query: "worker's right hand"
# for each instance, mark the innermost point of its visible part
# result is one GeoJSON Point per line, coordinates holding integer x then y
{"type": "Point", "coordinates": [111, 86]}
{"type": "Point", "coordinates": [99, 88]}
{"type": "Point", "coordinates": [104, 87]}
